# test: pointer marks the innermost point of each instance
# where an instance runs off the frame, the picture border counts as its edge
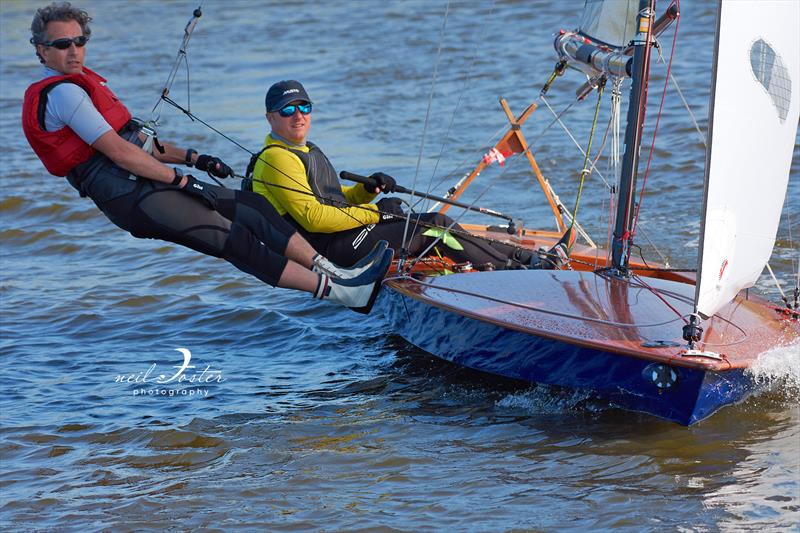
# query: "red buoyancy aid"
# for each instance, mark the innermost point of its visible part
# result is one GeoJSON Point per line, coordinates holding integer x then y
{"type": "Point", "coordinates": [63, 150]}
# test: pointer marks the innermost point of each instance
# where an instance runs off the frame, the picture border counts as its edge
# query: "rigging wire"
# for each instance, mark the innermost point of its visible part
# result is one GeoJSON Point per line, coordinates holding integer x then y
{"type": "Point", "coordinates": [614, 162]}
{"type": "Point", "coordinates": [342, 205]}
{"type": "Point", "coordinates": [700, 134]}
{"type": "Point", "coordinates": [569, 134]}
{"type": "Point", "coordinates": [777, 284]}
{"type": "Point", "coordinates": [474, 154]}
{"type": "Point", "coordinates": [655, 130]}
{"type": "Point", "coordinates": [528, 307]}
{"type": "Point", "coordinates": [181, 57]}
{"type": "Point", "coordinates": [427, 117]}
{"type": "Point", "coordinates": [795, 266]}
{"type": "Point", "coordinates": [467, 80]}
{"type": "Point", "coordinates": [556, 119]}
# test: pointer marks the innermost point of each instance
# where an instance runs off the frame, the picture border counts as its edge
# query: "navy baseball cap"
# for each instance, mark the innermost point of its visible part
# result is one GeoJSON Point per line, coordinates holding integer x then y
{"type": "Point", "coordinates": [283, 92]}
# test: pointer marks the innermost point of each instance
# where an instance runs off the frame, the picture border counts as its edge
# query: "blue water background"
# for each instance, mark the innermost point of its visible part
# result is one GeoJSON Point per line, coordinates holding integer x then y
{"type": "Point", "coordinates": [324, 420]}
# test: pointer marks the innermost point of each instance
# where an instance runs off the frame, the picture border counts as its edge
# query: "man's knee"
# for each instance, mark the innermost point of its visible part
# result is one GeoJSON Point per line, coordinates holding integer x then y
{"type": "Point", "coordinates": [437, 219]}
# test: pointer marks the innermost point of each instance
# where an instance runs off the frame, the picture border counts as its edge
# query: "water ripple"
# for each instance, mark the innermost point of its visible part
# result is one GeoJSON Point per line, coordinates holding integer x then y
{"type": "Point", "coordinates": [324, 420]}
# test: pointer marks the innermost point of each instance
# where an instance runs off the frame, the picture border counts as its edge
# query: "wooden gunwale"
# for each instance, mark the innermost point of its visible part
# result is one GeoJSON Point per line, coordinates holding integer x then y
{"type": "Point", "coordinates": [403, 286]}
{"type": "Point", "coordinates": [411, 288]}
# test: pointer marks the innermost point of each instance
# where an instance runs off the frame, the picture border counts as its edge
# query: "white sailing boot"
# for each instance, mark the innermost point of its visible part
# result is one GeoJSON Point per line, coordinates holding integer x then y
{"type": "Point", "coordinates": [322, 265]}
{"type": "Point", "coordinates": [358, 293]}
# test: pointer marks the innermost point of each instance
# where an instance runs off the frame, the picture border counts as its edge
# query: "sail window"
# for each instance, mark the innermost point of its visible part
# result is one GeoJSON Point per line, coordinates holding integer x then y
{"type": "Point", "coordinates": [773, 75]}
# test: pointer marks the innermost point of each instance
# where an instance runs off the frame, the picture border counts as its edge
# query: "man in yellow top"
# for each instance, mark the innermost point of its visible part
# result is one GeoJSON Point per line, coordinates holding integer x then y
{"type": "Point", "coordinates": [340, 222]}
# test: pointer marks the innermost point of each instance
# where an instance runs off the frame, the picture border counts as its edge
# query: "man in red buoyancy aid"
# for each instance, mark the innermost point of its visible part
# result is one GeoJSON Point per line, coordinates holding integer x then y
{"type": "Point", "coordinates": [81, 130]}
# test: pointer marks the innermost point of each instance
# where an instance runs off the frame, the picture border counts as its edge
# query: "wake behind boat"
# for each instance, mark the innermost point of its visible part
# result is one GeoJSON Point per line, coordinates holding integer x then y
{"type": "Point", "coordinates": [676, 344]}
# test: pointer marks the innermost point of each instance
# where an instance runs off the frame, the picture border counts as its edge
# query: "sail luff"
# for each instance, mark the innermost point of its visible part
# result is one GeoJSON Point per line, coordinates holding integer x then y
{"type": "Point", "coordinates": [709, 144]}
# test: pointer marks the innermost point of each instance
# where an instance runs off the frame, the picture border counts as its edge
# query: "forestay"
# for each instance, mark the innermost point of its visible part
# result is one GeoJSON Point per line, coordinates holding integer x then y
{"type": "Point", "coordinates": [612, 22]}
{"type": "Point", "coordinates": [753, 124]}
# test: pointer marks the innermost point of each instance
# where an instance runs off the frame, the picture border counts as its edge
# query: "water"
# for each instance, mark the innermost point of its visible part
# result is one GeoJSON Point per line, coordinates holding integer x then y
{"type": "Point", "coordinates": [308, 416]}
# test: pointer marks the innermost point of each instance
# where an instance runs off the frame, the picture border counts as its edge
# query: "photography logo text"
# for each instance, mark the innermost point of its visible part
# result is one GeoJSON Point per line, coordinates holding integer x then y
{"type": "Point", "coordinates": [187, 381]}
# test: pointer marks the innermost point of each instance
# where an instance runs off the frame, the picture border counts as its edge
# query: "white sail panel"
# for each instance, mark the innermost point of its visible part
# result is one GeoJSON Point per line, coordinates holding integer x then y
{"type": "Point", "coordinates": [612, 22]}
{"type": "Point", "coordinates": [754, 114]}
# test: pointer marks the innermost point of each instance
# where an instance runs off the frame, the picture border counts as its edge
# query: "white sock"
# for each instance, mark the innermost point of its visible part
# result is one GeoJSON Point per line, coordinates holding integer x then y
{"type": "Point", "coordinates": [323, 287]}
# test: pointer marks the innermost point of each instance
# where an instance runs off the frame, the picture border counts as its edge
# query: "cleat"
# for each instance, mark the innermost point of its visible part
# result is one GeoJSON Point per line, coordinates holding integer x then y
{"type": "Point", "coordinates": [555, 257]}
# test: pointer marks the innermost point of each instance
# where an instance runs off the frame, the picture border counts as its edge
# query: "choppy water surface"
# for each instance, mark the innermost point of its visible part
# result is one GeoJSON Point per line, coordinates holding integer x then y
{"type": "Point", "coordinates": [308, 416]}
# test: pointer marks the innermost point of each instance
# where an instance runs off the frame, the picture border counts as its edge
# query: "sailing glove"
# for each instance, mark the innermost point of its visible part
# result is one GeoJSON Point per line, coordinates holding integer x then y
{"type": "Point", "coordinates": [213, 165]}
{"type": "Point", "coordinates": [384, 182]}
{"type": "Point", "coordinates": [201, 190]}
{"type": "Point", "coordinates": [390, 208]}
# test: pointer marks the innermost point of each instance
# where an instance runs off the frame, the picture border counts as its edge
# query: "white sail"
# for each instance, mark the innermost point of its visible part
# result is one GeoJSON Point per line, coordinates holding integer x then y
{"type": "Point", "coordinates": [612, 22]}
{"type": "Point", "coordinates": [753, 124]}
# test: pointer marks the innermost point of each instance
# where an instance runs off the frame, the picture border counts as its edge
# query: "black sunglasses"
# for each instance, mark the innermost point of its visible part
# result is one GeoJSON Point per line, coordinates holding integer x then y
{"type": "Point", "coordinates": [66, 42]}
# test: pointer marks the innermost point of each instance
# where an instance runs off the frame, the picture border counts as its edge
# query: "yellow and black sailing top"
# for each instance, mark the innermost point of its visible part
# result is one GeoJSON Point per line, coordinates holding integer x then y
{"type": "Point", "coordinates": [310, 191]}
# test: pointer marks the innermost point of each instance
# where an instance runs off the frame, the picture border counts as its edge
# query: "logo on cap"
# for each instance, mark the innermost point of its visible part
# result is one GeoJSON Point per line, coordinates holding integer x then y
{"type": "Point", "coordinates": [287, 91]}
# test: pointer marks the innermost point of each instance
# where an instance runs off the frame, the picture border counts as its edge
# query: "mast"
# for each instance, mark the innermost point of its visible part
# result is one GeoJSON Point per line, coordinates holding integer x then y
{"type": "Point", "coordinates": [633, 136]}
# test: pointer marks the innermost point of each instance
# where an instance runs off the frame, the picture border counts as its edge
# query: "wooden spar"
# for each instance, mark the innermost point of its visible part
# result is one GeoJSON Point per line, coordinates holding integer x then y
{"type": "Point", "coordinates": [534, 165]}
{"type": "Point", "coordinates": [513, 142]}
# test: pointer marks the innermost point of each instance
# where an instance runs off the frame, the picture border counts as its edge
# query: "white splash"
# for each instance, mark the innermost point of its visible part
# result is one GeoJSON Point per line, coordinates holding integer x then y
{"type": "Point", "coordinates": [778, 369]}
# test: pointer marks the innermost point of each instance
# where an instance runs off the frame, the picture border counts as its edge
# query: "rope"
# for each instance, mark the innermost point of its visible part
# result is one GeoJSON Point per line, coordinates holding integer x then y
{"type": "Point", "coordinates": [586, 161]}
{"type": "Point", "coordinates": [658, 295]}
{"type": "Point", "coordinates": [652, 244]}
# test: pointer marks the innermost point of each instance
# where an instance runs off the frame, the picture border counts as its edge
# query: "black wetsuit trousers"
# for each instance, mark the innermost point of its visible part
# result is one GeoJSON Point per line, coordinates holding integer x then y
{"type": "Point", "coordinates": [243, 228]}
{"type": "Point", "coordinates": [347, 247]}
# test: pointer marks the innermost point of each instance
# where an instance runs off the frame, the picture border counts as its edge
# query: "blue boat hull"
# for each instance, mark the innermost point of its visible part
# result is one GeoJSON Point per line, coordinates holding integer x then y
{"type": "Point", "coordinates": [686, 395]}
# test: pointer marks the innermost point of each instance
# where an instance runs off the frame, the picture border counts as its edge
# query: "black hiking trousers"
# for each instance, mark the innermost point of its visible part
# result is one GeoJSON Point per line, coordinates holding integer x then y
{"type": "Point", "coordinates": [347, 247]}
{"type": "Point", "coordinates": [243, 228]}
